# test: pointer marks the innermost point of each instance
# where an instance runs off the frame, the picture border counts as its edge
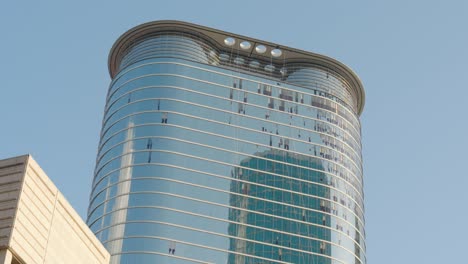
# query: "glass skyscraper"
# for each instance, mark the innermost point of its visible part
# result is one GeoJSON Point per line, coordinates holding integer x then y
{"type": "Point", "coordinates": [221, 148]}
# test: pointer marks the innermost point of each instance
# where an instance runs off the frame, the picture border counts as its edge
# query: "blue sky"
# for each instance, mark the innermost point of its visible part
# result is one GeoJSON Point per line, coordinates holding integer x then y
{"type": "Point", "coordinates": [412, 57]}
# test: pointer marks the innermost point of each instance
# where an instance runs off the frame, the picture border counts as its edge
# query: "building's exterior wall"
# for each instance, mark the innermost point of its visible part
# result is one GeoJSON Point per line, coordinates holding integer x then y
{"type": "Point", "coordinates": [11, 177]}
{"type": "Point", "coordinates": [205, 160]}
{"type": "Point", "coordinates": [39, 224]}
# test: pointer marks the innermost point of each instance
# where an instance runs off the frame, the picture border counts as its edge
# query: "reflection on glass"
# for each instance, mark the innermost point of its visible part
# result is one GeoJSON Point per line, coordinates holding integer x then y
{"type": "Point", "coordinates": [257, 220]}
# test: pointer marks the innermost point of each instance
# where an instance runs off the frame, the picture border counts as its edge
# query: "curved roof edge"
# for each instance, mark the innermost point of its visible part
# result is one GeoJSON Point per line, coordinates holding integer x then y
{"type": "Point", "coordinates": [216, 37]}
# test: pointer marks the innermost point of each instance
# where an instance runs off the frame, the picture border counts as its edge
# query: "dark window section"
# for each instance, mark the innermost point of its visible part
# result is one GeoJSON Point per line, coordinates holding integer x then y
{"type": "Point", "coordinates": [172, 247]}
{"type": "Point", "coordinates": [267, 90]}
{"type": "Point", "coordinates": [149, 145]}
{"type": "Point", "coordinates": [324, 206]}
{"type": "Point", "coordinates": [281, 106]}
{"type": "Point", "coordinates": [286, 144]}
{"type": "Point", "coordinates": [237, 83]}
{"type": "Point", "coordinates": [339, 227]}
{"type": "Point", "coordinates": [323, 247]}
{"type": "Point", "coordinates": [325, 104]}
{"type": "Point", "coordinates": [245, 188]}
{"type": "Point", "coordinates": [241, 108]}
{"type": "Point", "coordinates": [286, 95]}
{"type": "Point", "coordinates": [271, 103]}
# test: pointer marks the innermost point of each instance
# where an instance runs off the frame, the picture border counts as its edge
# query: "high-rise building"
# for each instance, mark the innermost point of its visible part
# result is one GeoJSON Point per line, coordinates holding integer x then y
{"type": "Point", "coordinates": [37, 224]}
{"type": "Point", "coordinates": [221, 148]}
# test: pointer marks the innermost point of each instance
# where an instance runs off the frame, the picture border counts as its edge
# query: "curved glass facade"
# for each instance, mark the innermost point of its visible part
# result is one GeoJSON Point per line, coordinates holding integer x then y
{"type": "Point", "coordinates": [207, 157]}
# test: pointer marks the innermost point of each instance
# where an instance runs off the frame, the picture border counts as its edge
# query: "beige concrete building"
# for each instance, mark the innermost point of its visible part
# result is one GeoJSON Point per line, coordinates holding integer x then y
{"type": "Point", "coordinates": [37, 224]}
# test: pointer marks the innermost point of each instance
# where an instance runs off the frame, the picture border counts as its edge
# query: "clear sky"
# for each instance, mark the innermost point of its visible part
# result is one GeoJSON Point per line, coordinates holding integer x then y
{"type": "Point", "coordinates": [412, 56]}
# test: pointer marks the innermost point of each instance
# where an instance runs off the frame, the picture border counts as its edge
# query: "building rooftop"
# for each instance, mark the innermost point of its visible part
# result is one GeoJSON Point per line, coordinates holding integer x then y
{"type": "Point", "coordinates": [246, 46]}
